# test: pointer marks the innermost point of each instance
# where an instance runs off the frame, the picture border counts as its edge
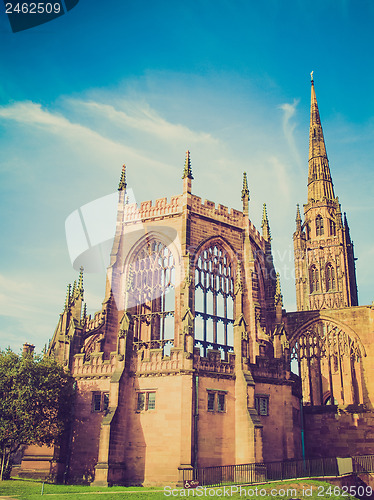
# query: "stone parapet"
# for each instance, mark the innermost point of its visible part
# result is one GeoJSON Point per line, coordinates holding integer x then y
{"type": "Point", "coordinates": [267, 369]}
{"type": "Point", "coordinates": [95, 367]}
{"type": "Point", "coordinates": [133, 212]}
{"type": "Point", "coordinates": [213, 364]}
{"type": "Point", "coordinates": [95, 322]}
{"type": "Point", "coordinates": [153, 361]}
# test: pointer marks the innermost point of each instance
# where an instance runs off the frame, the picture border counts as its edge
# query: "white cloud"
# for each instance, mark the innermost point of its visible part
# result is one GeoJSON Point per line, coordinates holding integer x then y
{"type": "Point", "coordinates": [289, 126]}
{"type": "Point", "coordinates": [20, 297]}
{"type": "Point", "coordinates": [141, 117]}
{"type": "Point", "coordinates": [32, 114]}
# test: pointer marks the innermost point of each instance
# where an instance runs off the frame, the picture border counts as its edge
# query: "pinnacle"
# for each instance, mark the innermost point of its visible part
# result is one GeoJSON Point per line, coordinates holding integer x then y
{"type": "Point", "coordinates": [187, 172]}
{"type": "Point", "coordinates": [245, 190]}
{"type": "Point", "coordinates": [80, 281]}
{"type": "Point", "coordinates": [68, 297]}
{"type": "Point", "coordinates": [122, 183]}
{"type": "Point", "coordinates": [298, 216]}
{"type": "Point", "coordinates": [278, 298]}
{"type": "Point", "coordinates": [298, 219]}
{"type": "Point", "coordinates": [265, 225]}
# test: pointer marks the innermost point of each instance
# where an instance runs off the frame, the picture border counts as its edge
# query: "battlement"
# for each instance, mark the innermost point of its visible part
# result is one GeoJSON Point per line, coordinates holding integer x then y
{"type": "Point", "coordinates": [95, 366]}
{"type": "Point", "coordinates": [153, 361]}
{"type": "Point", "coordinates": [95, 322]}
{"type": "Point", "coordinates": [270, 369]}
{"type": "Point", "coordinates": [213, 362]}
{"type": "Point", "coordinates": [208, 209]}
{"type": "Point", "coordinates": [133, 212]}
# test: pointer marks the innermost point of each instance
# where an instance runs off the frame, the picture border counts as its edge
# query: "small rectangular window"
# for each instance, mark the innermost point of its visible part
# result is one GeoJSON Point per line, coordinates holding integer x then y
{"type": "Point", "coordinates": [151, 401]}
{"type": "Point", "coordinates": [96, 401]}
{"type": "Point", "coordinates": [105, 401]}
{"type": "Point", "coordinates": [211, 400]}
{"type": "Point", "coordinates": [146, 401]}
{"type": "Point", "coordinates": [262, 405]}
{"type": "Point", "coordinates": [141, 401]}
{"type": "Point", "coordinates": [221, 402]}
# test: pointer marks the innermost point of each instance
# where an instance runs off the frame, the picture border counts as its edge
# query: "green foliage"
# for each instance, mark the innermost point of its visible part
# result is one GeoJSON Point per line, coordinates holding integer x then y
{"type": "Point", "coordinates": [35, 402]}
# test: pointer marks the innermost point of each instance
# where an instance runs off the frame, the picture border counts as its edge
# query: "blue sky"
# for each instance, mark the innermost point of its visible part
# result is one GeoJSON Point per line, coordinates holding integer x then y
{"type": "Point", "coordinates": [140, 83]}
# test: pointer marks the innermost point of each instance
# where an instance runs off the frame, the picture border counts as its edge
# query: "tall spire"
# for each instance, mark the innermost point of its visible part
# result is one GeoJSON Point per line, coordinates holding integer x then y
{"type": "Point", "coordinates": [319, 179]}
{"type": "Point", "coordinates": [187, 172]}
{"type": "Point", "coordinates": [122, 183]}
{"type": "Point", "coordinates": [265, 225]}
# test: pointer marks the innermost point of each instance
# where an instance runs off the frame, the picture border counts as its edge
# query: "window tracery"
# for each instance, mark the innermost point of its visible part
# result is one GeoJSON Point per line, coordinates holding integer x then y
{"type": "Point", "coordinates": [319, 226]}
{"type": "Point", "coordinates": [330, 278]}
{"type": "Point", "coordinates": [314, 279]}
{"type": "Point", "coordinates": [328, 361]}
{"type": "Point", "coordinates": [152, 292]}
{"type": "Point", "coordinates": [214, 300]}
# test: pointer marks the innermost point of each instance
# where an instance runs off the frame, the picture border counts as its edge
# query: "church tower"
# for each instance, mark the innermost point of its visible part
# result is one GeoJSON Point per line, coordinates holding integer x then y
{"type": "Point", "coordinates": [324, 259]}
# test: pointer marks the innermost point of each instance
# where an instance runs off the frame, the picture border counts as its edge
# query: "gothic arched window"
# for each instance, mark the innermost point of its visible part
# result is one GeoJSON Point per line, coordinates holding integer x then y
{"type": "Point", "coordinates": [214, 300]}
{"type": "Point", "coordinates": [319, 226]}
{"type": "Point", "coordinates": [328, 359]}
{"type": "Point", "coordinates": [314, 279]}
{"type": "Point", "coordinates": [330, 277]}
{"type": "Point", "coordinates": [151, 293]}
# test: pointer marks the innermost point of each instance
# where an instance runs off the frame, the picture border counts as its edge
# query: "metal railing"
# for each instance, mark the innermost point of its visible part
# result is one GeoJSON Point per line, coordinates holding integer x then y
{"type": "Point", "coordinates": [363, 463]}
{"type": "Point", "coordinates": [260, 472]}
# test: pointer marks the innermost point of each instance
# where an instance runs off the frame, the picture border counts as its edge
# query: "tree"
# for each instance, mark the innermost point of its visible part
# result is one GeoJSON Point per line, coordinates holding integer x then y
{"type": "Point", "coordinates": [35, 402]}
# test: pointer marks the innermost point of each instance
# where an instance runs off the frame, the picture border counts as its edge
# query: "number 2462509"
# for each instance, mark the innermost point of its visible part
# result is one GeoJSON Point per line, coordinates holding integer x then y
{"type": "Point", "coordinates": [32, 8]}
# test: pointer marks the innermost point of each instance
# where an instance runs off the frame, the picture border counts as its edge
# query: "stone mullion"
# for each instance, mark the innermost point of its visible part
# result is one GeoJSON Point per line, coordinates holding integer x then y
{"type": "Point", "coordinates": [225, 312]}
{"type": "Point", "coordinates": [307, 352]}
{"type": "Point", "coordinates": [215, 321]}
{"type": "Point", "coordinates": [340, 369]}
{"type": "Point", "coordinates": [319, 354]}
{"type": "Point", "coordinates": [354, 386]}
{"type": "Point", "coordinates": [205, 312]}
{"type": "Point", "coordinates": [162, 332]}
{"type": "Point", "coordinates": [328, 341]}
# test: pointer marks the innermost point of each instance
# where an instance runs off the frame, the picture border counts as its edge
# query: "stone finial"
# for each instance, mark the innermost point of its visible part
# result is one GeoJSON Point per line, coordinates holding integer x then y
{"type": "Point", "coordinates": [80, 281]}
{"type": "Point", "coordinates": [122, 182]}
{"type": "Point", "coordinates": [187, 172]}
{"type": "Point", "coordinates": [278, 297]}
{"type": "Point", "coordinates": [298, 218]}
{"type": "Point", "coordinates": [68, 297]}
{"type": "Point", "coordinates": [265, 225]}
{"type": "Point", "coordinates": [245, 190]}
{"type": "Point", "coordinates": [311, 77]}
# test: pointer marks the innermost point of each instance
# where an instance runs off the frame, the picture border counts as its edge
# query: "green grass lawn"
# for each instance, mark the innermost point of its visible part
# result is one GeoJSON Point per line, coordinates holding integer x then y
{"type": "Point", "coordinates": [303, 490]}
